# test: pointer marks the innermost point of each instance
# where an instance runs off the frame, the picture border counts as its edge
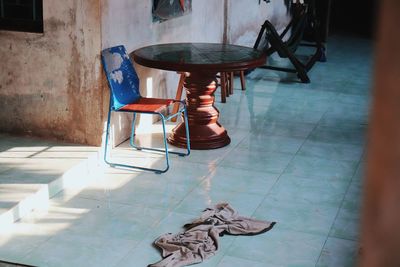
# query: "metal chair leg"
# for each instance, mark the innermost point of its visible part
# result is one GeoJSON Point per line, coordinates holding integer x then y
{"type": "Point", "coordinates": [165, 144]}
{"type": "Point", "coordinates": [107, 136]}
{"type": "Point", "coordinates": [131, 140]}
{"type": "Point", "coordinates": [185, 115]}
{"type": "Point", "coordinates": [132, 143]}
{"type": "Point", "coordinates": [113, 164]}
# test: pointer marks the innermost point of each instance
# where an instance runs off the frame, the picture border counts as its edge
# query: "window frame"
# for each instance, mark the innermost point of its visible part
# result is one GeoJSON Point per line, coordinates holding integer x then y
{"type": "Point", "coordinates": [23, 25]}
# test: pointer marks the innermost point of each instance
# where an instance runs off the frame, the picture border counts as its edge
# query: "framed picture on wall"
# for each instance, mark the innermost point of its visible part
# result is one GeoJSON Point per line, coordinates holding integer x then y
{"type": "Point", "coordinates": [168, 9]}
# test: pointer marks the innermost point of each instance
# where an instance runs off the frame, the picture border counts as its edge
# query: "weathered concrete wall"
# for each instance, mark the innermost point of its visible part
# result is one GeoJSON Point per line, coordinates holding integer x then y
{"type": "Point", "coordinates": [49, 83]}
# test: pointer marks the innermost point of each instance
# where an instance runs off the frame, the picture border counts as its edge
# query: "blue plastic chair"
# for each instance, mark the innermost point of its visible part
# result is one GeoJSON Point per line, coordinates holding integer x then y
{"type": "Point", "coordinates": [125, 97]}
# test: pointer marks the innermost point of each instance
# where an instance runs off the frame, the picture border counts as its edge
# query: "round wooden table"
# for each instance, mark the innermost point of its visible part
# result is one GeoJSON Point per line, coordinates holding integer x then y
{"type": "Point", "coordinates": [201, 62]}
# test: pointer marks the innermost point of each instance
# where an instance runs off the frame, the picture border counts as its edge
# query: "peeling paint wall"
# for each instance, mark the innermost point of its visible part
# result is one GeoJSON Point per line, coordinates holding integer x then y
{"type": "Point", "coordinates": [50, 82]}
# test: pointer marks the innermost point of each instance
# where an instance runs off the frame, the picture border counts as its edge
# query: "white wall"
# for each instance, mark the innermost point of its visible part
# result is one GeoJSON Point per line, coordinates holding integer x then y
{"type": "Point", "coordinates": [129, 22]}
{"type": "Point", "coordinates": [246, 17]}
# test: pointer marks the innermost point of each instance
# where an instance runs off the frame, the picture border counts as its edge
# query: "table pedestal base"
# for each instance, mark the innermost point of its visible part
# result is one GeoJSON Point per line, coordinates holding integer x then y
{"type": "Point", "coordinates": [205, 130]}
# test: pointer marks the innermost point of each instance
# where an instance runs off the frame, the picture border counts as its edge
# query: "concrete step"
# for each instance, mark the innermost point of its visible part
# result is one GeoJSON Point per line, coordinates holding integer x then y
{"type": "Point", "coordinates": [33, 170]}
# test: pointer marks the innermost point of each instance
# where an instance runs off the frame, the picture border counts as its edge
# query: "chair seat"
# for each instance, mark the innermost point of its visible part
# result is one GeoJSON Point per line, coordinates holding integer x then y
{"type": "Point", "coordinates": [148, 105]}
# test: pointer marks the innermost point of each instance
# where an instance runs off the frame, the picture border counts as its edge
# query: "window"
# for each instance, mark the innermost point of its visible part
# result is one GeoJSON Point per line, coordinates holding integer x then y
{"type": "Point", "coordinates": [21, 15]}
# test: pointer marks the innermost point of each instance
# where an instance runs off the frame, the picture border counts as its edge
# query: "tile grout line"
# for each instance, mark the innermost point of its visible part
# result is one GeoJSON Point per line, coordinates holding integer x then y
{"type": "Point", "coordinates": [327, 235]}
{"type": "Point", "coordinates": [283, 171]}
{"type": "Point", "coordinates": [339, 209]}
{"type": "Point", "coordinates": [278, 178]}
{"type": "Point", "coordinates": [169, 212]}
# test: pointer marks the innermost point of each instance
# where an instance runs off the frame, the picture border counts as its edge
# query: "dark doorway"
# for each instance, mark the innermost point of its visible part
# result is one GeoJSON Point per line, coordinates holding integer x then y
{"type": "Point", "coordinates": [353, 17]}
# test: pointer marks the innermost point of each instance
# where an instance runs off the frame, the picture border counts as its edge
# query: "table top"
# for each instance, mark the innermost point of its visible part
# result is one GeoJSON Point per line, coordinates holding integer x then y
{"type": "Point", "coordinates": [198, 57]}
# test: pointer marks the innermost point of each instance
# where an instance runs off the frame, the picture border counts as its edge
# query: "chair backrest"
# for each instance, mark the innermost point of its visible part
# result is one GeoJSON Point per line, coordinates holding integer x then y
{"type": "Point", "coordinates": [292, 34]}
{"type": "Point", "coordinates": [121, 76]}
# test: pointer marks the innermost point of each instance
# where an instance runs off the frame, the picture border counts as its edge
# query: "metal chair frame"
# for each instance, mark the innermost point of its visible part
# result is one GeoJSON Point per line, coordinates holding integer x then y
{"type": "Point", "coordinates": [164, 119]}
{"type": "Point", "coordinates": [131, 141]}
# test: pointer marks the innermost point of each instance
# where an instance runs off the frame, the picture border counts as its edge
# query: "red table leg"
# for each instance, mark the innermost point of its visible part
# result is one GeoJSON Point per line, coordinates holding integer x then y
{"type": "Point", "coordinates": [205, 130]}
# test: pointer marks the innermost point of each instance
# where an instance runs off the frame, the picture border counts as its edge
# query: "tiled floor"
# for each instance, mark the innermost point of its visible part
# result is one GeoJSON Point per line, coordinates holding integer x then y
{"type": "Point", "coordinates": [296, 158]}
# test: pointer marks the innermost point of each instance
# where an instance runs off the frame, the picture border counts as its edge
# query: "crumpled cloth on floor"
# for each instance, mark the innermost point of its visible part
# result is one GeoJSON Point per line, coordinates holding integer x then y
{"type": "Point", "coordinates": [199, 241]}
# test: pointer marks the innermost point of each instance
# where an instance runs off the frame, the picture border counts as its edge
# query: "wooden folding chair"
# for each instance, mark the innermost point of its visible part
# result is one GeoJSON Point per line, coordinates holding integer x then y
{"type": "Point", "coordinates": [286, 43]}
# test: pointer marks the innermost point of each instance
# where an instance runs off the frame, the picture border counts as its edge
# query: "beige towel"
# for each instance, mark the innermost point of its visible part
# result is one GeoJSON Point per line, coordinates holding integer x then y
{"type": "Point", "coordinates": [200, 240]}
